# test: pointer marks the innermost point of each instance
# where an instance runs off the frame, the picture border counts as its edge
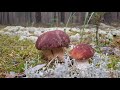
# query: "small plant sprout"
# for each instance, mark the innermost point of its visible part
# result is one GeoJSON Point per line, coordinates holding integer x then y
{"type": "Point", "coordinates": [96, 20]}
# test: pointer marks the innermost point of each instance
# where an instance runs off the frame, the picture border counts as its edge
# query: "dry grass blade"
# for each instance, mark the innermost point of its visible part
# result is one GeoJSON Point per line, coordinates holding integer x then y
{"type": "Point", "coordinates": [51, 61]}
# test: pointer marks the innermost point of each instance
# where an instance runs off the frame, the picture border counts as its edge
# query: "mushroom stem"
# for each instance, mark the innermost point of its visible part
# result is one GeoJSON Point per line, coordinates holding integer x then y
{"type": "Point", "coordinates": [59, 52]}
{"type": "Point", "coordinates": [82, 65]}
{"type": "Point", "coordinates": [50, 54]}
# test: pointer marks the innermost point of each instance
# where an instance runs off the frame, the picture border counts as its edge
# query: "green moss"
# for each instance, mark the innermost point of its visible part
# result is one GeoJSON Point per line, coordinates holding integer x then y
{"type": "Point", "coordinates": [14, 53]}
{"type": "Point", "coordinates": [113, 62]}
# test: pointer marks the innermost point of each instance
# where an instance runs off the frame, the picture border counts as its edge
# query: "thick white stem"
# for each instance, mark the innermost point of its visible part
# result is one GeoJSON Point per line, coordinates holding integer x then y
{"type": "Point", "coordinates": [50, 54]}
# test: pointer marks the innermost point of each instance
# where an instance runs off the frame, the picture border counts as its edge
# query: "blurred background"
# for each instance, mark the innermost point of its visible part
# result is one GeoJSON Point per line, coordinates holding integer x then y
{"type": "Point", "coordinates": [48, 18]}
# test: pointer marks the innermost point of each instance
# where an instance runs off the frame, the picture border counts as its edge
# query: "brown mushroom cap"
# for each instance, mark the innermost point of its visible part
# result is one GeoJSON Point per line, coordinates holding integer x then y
{"type": "Point", "coordinates": [82, 52]}
{"type": "Point", "coordinates": [52, 39]}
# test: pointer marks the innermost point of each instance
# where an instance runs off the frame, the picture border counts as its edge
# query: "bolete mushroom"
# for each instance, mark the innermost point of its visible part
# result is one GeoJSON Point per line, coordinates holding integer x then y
{"type": "Point", "coordinates": [53, 44]}
{"type": "Point", "coordinates": [82, 52]}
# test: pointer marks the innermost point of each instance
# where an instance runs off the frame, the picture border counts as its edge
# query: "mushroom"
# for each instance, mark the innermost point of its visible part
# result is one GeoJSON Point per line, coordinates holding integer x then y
{"type": "Point", "coordinates": [53, 44]}
{"type": "Point", "coordinates": [82, 52]}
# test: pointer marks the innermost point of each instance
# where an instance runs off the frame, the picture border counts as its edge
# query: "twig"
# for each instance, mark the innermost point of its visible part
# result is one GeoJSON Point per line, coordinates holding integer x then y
{"type": "Point", "coordinates": [97, 37]}
{"type": "Point", "coordinates": [71, 15]}
{"type": "Point", "coordinates": [86, 16]}
{"type": "Point", "coordinates": [90, 17]}
{"type": "Point", "coordinates": [51, 62]}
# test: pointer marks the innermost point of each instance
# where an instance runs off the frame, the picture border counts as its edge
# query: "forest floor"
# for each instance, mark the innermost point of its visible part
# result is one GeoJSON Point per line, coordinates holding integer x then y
{"type": "Point", "coordinates": [18, 54]}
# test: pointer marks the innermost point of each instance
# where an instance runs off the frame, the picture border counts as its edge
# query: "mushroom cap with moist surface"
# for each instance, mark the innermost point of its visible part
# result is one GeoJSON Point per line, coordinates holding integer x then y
{"type": "Point", "coordinates": [52, 39]}
{"type": "Point", "coordinates": [82, 52]}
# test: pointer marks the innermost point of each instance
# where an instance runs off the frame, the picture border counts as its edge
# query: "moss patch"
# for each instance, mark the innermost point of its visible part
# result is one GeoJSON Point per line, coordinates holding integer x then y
{"type": "Point", "coordinates": [14, 53]}
{"type": "Point", "coordinates": [113, 62]}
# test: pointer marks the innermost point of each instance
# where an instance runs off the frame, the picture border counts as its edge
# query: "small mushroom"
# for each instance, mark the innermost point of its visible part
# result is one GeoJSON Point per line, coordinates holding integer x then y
{"type": "Point", "coordinates": [82, 52]}
{"type": "Point", "coordinates": [53, 44]}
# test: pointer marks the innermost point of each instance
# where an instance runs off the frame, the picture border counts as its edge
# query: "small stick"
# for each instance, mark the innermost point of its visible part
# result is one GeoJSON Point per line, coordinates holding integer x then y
{"type": "Point", "coordinates": [51, 62]}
